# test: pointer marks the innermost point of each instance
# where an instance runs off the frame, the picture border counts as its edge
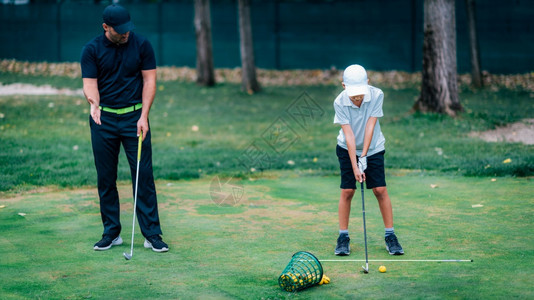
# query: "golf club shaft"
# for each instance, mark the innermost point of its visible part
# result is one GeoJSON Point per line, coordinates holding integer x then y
{"type": "Point", "coordinates": [135, 193]}
{"type": "Point", "coordinates": [364, 229]}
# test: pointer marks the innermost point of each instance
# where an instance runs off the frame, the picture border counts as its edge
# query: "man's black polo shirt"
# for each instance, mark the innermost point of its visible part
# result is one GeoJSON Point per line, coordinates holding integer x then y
{"type": "Point", "coordinates": [118, 68]}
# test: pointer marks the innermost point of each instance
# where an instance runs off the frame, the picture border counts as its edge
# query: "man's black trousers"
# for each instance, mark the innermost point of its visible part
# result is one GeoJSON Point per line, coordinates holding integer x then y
{"type": "Point", "coordinates": [106, 140]}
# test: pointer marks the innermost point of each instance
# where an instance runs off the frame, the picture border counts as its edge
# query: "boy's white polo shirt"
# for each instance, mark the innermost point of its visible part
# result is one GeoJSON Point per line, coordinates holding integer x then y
{"type": "Point", "coordinates": [348, 113]}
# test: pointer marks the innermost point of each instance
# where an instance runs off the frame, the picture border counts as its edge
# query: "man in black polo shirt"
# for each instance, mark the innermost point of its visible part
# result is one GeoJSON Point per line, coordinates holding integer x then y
{"type": "Point", "coordinates": [119, 82]}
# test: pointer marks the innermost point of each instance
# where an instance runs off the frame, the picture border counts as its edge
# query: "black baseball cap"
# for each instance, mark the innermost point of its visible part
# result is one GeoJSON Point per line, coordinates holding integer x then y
{"type": "Point", "coordinates": [118, 17]}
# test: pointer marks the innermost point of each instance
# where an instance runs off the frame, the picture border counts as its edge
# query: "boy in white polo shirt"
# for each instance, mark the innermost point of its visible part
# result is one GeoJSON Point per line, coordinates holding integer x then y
{"type": "Point", "coordinates": [360, 151]}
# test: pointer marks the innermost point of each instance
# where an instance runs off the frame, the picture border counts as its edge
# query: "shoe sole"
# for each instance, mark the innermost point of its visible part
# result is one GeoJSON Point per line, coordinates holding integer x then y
{"type": "Point", "coordinates": [341, 253]}
{"type": "Point", "coordinates": [115, 242]}
{"type": "Point", "coordinates": [148, 245]}
{"type": "Point", "coordinates": [395, 253]}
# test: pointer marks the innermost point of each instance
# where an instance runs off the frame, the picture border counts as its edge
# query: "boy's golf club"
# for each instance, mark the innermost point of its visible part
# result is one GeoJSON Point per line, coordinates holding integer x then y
{"type": "Point", "coordinates": [126, 255]}
{"type": "Point", "coordinates": [366, 268]}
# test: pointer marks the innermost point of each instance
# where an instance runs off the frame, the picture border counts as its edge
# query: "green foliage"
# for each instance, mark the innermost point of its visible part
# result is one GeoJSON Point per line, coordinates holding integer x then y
{"type": "Point", "coordinates": [46, 139]}
{"type": "Point", "coordinates": [440, 143]}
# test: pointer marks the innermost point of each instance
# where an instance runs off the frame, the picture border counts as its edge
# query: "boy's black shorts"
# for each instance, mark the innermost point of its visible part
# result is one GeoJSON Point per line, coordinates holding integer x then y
{"type": "Point", "coordinates": [375, 175]}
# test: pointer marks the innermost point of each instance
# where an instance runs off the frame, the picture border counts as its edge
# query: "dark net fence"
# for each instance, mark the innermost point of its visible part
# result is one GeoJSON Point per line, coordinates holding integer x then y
{"type": "Point", "coordinates": [382, 35]}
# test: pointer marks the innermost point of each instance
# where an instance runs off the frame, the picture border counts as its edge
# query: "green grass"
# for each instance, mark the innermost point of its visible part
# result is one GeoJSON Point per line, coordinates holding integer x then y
{"type": "Point", "coordinates": [238, 250]}
{"type": "Point", "coordinates": [39, 134]}
{"type": "Point", "coordinates": [229, 252]}
{"type": "Point", "coordinates": [55, 81]}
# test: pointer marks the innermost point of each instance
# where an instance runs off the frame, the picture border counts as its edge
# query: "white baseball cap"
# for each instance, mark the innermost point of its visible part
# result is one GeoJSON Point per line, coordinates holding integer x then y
{"type": "Point", "coordinates": [355, 80]}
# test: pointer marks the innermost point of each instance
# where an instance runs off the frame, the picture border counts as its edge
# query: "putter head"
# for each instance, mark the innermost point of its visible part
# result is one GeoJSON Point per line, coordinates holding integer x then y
{"type": "Point", "coordinates": [365, 270]}
{"type": "Point", "coordinates": [127, 256]}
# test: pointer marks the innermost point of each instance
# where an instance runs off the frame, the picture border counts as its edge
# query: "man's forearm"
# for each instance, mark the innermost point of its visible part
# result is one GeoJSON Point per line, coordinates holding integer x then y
{"type": "Point", "coordinates": [90, 91]}
{"type": "Point", "coordinates": [149, 91]}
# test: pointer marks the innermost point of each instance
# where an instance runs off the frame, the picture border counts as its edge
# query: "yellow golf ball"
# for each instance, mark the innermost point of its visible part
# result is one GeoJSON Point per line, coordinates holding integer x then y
{"type": "Point", "coordinates": [382, 269]}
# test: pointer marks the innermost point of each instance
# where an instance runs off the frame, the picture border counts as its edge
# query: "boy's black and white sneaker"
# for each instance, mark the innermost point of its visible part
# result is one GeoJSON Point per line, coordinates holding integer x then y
{"type": "Point", "coordinates": [393, 246]}
{"type": "Point", "coordinates": [343, 245]}
{"type": "Point", "coordinates": [106, 242]}
{"type": "Point", "coordinates": [156, 243]}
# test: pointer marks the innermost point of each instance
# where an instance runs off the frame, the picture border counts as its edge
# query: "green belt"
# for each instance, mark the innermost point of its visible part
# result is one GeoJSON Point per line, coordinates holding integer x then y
{"type": "Point", "coordinates": [125, 110]}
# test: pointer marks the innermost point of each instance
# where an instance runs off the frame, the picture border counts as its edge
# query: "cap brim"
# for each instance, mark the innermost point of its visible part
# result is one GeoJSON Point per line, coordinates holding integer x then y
{"type": "Point", "coordinates": [354, 90]}
{"type": "Point", "coordinates": [122, 29]}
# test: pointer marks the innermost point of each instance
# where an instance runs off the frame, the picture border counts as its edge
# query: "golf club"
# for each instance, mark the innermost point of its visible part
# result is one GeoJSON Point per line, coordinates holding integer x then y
{"type": "Point", "coordinates": [126, 255]}
{"type": "Point", "coordinates": [366, 268]}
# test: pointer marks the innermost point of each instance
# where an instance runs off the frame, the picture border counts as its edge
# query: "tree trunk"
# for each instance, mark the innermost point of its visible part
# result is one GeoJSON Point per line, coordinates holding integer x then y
{"type": "Point", "coordinates": [476, 75]}
{"type": "Point", "coordinates": [248, 67]}
{"type": "Point", "coordinates": [439, 88]}
{"type": "Point", "coordinates": [205, 69]}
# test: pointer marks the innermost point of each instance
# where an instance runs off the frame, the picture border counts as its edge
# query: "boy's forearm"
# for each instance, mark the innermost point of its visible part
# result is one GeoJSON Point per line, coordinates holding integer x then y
{"type": "Point", "coordinates": [369, 130]}
{"type": "Point", "coordinates": [351, 147]}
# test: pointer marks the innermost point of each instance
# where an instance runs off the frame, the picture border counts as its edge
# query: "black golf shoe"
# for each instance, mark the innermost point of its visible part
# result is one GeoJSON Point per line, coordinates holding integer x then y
{"type": "Point", "coordinates": [343, 245]}
{"type": "Point", "coordinates": [106, 242]}
{"type": "Point", "coordinates": [393, 246]}
{"type": "Point", "coordinates": [156, 243]}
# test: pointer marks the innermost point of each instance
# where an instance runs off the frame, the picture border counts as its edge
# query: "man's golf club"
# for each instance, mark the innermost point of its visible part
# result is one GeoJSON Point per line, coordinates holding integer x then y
{"type": "Point", "coordinates": [126, 255]}
{"type": "Point", "coordinates": [366, 268]}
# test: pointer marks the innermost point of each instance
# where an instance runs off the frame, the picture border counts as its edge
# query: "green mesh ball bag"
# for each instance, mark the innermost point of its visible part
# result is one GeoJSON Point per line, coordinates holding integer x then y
{"type": "Point", "coordinates": [303, 271]}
